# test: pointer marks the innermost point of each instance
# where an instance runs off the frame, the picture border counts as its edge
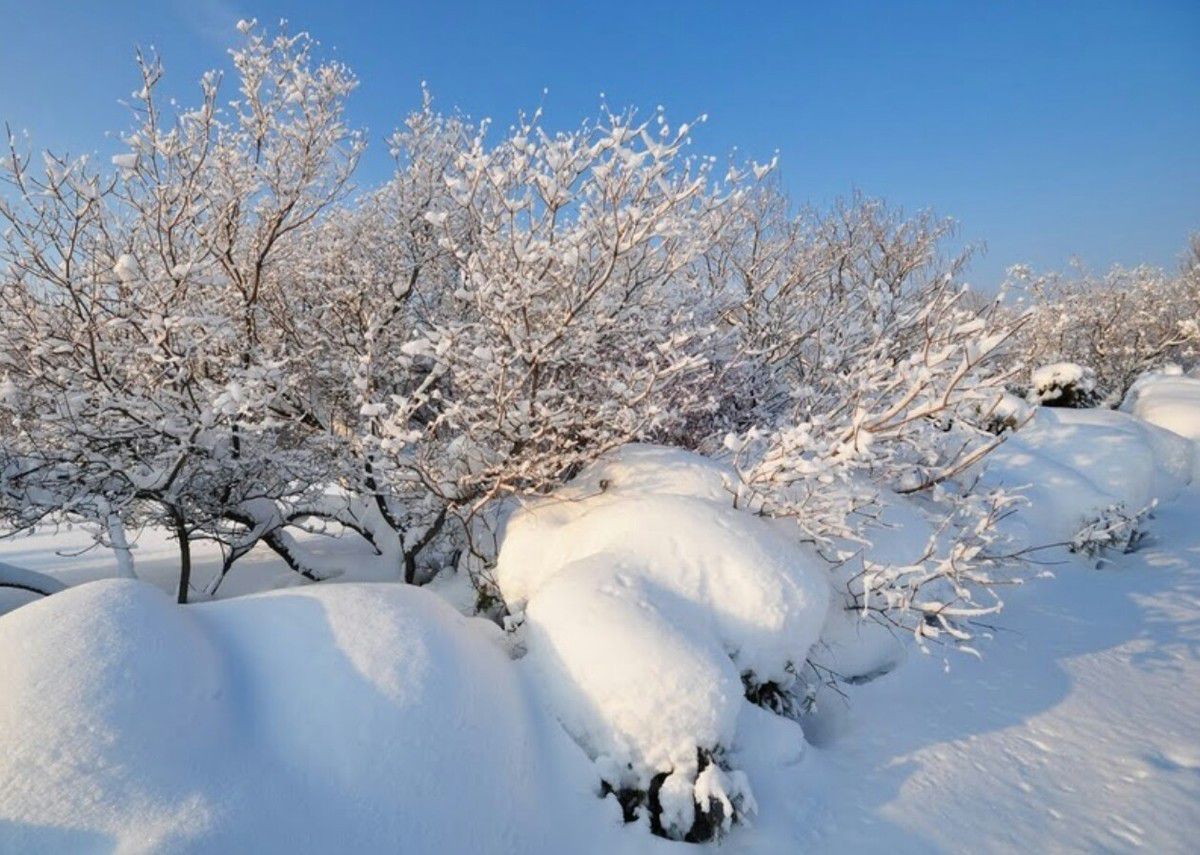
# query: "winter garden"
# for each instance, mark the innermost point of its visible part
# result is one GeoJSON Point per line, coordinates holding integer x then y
{"type": "Point", "coordinates": [570, 491]}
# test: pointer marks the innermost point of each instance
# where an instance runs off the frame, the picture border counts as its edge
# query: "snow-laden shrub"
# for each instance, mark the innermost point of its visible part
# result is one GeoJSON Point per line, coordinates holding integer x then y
{"type": "Point", "coordinates": [1167, 398]}
{"type": "Point", "coordinates": [860, 365]}
{"type": "Point", "coordinates": [1064, 384]}
{"type": "Point", "coordinates": [1002, 415]}
{"type": "Point", "coordinates": [1114, 527]}
{"type": "Point", "coordinates": [1119, 324]}
{"type": "Point", "coordinates": [541, 308]}
{"type": "Point", "coordinates": [1072, 465]}
{"type": "Point", "coordinates": [649, 605]}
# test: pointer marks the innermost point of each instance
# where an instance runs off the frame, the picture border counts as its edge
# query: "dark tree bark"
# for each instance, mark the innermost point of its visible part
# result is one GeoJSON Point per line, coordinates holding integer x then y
{"type": "Point", "coordinates": [185, 556]}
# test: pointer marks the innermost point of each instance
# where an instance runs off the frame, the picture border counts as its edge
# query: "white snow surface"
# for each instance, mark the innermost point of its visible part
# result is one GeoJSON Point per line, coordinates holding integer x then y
{"type": "Point", "coordinates": [1076, 731]}
{"type": "Point", "coordinates": [340, 718]}
{"type": "Point", "coordinates": [373, 717]}
{"type": "Point", "coordinates": [1072, 464]}
{"type": "Point", "coordinates": [1169, 399]}
{"type": "Point", "coordinates": [646, 596]}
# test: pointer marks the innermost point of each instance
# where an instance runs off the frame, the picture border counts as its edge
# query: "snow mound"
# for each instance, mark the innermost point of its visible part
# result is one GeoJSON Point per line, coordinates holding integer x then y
{"type": "Point", "coordinates": [1073, 464]}
{"type": "Point", "coordinates": [1169, 399]}
{"type": "Point", "coordinates": [350, 717]}
{"type": "Point", "coordinates": [647, 599]}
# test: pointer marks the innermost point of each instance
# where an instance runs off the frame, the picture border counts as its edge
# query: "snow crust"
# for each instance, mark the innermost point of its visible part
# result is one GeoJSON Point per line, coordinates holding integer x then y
{"type": "Point", "coordinates": [647, 596]}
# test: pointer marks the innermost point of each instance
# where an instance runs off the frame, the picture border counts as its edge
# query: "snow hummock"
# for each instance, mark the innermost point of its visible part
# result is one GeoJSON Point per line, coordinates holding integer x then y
{"type": "Point", "coordinates": [361, 717]}
{"type": "Point", "coordinates": [647, 597]}
{"type": "Point", "coordinates": [1167, 398]}
{"type": "Point", "coordinates": [1073, 464]}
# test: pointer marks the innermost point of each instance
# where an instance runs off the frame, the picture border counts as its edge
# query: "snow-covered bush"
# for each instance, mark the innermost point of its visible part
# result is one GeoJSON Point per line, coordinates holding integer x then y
{"type": "Point", "coordinates": [1072, 465]}
{"type": "Point", "coordinates": [561, 319]}
{"type": "Point", "coordinates": [648, 605]}
{"type": "Point", "coordinates": [1118, 325]}
{"type": "Point", "coordinates": [1064, 384]}
{"type": "Point", "coordinates": [1115, 527]}
{"type": "Point", "coordinates": [1167, 398]}
{"type": "Point", "coordinates": [861, 366]}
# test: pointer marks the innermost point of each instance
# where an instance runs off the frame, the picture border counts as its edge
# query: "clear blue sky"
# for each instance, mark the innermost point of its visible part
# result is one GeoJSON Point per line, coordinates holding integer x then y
{"type": "Point", "coordinates": [1048, 129]}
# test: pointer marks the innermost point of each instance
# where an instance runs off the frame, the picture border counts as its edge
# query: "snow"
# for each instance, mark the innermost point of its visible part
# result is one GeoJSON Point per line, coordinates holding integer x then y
{"type": "Point", "coordinates": [1076, 731]}
{"type": "Point", "coordinates": [1051, 381]}
{"type": "Point", "coordinates": [126, 161]}
{"type": "Point", "coordinates": [374, 716]}
{"type": "Point", "coordinates": [126, 268]}
{"type": "Point", "coordinates": [1058, 374]}
{"type": "Point", "coordinates": [1072, 464]}
{"type": "Point", "coordinates": [350, 717]}
{"type": "Point", "coordinates": [646, 596]}
{"type": "Point", "coordinates": [1169, 399]}
{"type": "Point", "coordinates": [68, 552]}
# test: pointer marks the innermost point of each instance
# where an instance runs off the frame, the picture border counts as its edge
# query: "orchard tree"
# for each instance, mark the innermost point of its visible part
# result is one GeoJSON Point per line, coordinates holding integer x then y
{"type": "Point", "coordinates": [550, 312]}
{"type": "Point", "coordinates": [142, 311]}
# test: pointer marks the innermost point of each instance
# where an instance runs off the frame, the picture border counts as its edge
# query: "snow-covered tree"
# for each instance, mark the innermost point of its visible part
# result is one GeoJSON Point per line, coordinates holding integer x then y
{"type": "Point", "coordinates": [143, 321]}
{"type": "Point", "coordinates": [212, 339]}
{"type": "Point", "coordinates": [516, 308]}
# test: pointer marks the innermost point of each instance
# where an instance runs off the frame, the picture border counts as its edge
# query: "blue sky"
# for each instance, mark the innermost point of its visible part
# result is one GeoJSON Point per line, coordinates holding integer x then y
{"type": "Point", "coordinates": [1048, 129]}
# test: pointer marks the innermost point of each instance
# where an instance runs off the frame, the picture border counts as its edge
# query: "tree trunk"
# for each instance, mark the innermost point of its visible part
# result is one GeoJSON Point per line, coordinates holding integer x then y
{"type": "Point", "coordinates": [185, 557]}
{"type": "Point", "coordinates": [410, 554]}
{"type": "Point", "coordinates": [120, 546]}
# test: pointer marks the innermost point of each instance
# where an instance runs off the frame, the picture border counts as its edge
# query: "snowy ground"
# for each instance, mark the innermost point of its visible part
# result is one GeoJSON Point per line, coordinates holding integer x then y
{"type": "Point", "coordinates": [375, 716]}
{"type": "Point", "coordinates": [1079, 730]}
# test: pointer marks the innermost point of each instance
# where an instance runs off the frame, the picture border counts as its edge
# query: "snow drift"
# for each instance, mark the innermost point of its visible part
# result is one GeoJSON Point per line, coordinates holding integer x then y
{"type": "Point", "coordinates": [1169, 399]}
{"type": "Point", "coordinates": [350, 717]}
{"type": "Point", "coordinates": [1074, 464]}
